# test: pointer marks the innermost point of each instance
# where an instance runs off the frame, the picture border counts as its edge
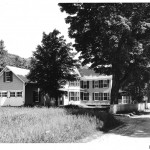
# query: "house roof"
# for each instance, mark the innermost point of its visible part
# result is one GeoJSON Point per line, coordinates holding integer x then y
{"type": "Point", "coordinates": [19, 72]}
{"type": "Point", "coordinates": [89, 74]}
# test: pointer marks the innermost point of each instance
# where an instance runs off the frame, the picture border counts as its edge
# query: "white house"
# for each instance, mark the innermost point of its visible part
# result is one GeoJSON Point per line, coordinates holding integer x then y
{"type": "Point", "coordinates": [90, 89]}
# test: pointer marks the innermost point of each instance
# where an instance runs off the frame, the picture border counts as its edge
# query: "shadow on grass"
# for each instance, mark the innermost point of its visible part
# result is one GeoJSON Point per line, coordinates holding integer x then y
{"type": "Point", "coordinates": [108, 123]}
{"type": "Point", "coordinates": [105, 121]}
{"type": "Point", "coordinates": [143, 113]}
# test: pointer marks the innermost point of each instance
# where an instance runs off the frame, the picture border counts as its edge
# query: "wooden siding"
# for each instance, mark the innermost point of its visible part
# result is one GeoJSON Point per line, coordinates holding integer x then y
{"type": "Point", "coordinates": [92, 90]}
{"type": "Point", "coordinates": [16, 84]}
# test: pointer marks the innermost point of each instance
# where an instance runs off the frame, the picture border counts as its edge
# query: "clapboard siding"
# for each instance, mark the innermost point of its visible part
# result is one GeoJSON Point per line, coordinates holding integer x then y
{"type": "Point", "coordinates": [16, 84]}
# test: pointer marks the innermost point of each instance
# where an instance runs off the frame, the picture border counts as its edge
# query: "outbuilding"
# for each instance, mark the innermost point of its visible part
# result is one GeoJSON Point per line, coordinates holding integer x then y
{"type": "Point", "coordinates": [16, 89]}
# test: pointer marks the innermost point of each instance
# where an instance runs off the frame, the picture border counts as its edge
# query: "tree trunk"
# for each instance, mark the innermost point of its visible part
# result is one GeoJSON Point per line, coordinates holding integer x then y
{"type": "Point", "coordinates": [148, 92]}
{"type": "Point", "coordinates": [115, 90]}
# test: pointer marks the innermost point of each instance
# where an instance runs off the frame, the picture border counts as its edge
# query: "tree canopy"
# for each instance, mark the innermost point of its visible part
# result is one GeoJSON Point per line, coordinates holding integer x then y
{"type": "Point", "coordinates": [113, 37]}
{"type": "Point", "coordinates": [52, 64]}
{"type": "Point", "coordinates": [2, 54]}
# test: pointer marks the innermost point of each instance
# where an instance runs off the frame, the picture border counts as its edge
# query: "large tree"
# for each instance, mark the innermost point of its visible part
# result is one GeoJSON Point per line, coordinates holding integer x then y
{"type": "Point", "coordinates": [137, 83]}
{"type": "Point", "coordinates": [52, 64]}
{"type": "Point", "coordinates": [112, 37]}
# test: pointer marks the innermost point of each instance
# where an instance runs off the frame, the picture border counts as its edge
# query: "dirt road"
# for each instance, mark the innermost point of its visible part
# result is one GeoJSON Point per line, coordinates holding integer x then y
{"type": "Point", "coordinates": [134, 133]}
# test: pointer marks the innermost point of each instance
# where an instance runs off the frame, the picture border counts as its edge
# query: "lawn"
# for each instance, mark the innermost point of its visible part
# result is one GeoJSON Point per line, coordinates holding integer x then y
{"type": "Point", "coordinates": [51, 125]}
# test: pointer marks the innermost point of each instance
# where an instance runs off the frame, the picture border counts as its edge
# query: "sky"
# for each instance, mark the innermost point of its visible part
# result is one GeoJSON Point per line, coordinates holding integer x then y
{"type": "Point", "coordinates": [22, 23]}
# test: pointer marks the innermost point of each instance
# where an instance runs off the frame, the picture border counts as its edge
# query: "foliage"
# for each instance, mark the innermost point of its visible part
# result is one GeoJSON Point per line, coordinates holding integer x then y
{"type": "Point", "coordinates": [11, 59]}
{"type": "Point", "coordinates": [2, 54]}
{"type": "Point", "coordinates": [113, 37]}
{"type": "Point", "coordinates": [53, 125]}
{"type": "Point", "coordinates": [19, 62]}
{"type": "Point", "coordinates": [137, 84]}
{"type": "Point", "coordinates": [52, 64]}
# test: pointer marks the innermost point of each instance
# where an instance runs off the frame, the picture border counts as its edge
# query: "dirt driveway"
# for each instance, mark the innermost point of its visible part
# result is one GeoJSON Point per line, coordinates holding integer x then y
{"type": "Point", "coordinates": [134, 133]}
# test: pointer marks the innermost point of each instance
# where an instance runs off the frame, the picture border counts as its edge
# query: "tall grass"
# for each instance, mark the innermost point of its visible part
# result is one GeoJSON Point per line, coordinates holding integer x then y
{"type": "Point", "coordinates": [52, 125]}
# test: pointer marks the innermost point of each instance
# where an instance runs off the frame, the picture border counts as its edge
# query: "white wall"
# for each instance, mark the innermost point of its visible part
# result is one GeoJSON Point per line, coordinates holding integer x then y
{"type": "Point", "coordinates": [127, 108]}
{"type": "Point", "coordinates": [13, 101]}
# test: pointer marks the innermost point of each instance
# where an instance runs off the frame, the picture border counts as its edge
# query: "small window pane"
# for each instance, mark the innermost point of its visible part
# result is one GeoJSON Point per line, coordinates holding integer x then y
{"type": "Point", "coordinates": [19, 94]}
{"type": "Point", "coordinates": [4, 94]}
{"type": "Point", "coordinates": [106, 96]}
{"type": "Point", "coordinates": [74, 96]}
{"type": "Point", "coordinates": [74, 83]}
{"type": "Point", "coordinates": [12, 94]}
{"type": "Point", "coordinates": [86, 96]}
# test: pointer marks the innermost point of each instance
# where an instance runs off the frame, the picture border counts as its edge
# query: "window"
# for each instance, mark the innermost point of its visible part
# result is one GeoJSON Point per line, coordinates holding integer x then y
{"type": "Point", "coordinates": [71, 83]}
{"type": "Point", "coordinates": [7, 76]}
{"type": "Point", "coordinates": [125, 99]}
{"type": "Point", "coordinates": [101, 96]}
{"type": "Point", "coordinates": [19, 94]}
{"type": "Point", "coordinates": [96, 84]}
{"type": "Point", "coordinates": [106, 83]}
{"type": "Point", "coordinates": [84, 84]}
{"type": "Point", "coordinates": [103, 83]}
{"type": "Point", "coordinates": [0, 94]}
{"type": "Point", "coordinates": [97, 96]}
{"type": "Point", "coordinates": [86, 96]}
{"type": "Point", "coordinates": [106, 96]}
{"type": "Point", "coordinates": [74, 96]}
{"type": "Point", "coordinates": [74, 83]}
{"type": "Point", "coordinates": [12, 94]}
{"type": "Point", "coordinates": [4, 94]}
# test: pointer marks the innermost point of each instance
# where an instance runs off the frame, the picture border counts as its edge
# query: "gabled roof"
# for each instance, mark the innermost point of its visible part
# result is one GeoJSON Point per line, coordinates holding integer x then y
{"type": "Point", "coordinates": [89, 74]}
{"type": "Point", "coordinates": [19, 72]}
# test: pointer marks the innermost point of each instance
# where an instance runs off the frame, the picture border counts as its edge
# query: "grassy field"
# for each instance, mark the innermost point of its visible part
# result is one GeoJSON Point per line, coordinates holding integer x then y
{"type": "Point", "coordinates": [51, 125]}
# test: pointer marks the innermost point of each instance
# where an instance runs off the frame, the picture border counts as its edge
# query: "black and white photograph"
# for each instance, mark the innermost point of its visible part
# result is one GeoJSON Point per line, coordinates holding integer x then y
{"type": "Point", "coordinates": [75, 74]}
